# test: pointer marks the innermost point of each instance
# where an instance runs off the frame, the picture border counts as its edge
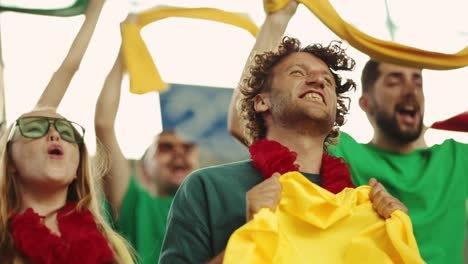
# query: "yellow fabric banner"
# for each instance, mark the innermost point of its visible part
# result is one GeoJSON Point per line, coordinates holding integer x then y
{"type": "Point", "coordinates": [377, 49]}
{"type": "Point", "coordinates": [313, 225]}
{"type": "Point", "coordinates": [144, 76]}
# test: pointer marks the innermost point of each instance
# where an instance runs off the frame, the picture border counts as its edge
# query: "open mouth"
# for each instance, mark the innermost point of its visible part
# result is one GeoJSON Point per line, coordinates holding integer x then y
{"type": "Point", "coordinates": [313, 96]}
{"type": "Point", "coordinates": [55, 151]}
{"type": "Point", "coordinates": [408, 113]}
{"type": "Point", "coordinates": [179, 168]}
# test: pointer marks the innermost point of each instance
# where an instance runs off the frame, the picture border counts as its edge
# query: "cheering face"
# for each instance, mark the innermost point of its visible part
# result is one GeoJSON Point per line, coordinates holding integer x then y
{"type": "Point", "coordinates": [302, 90]}
{"type": "Point", "coordinates": [397, 102]}
{"type": "Point", "coordinates": [40, 158]}
{"type": "Point", "coordinates": [173, 160]}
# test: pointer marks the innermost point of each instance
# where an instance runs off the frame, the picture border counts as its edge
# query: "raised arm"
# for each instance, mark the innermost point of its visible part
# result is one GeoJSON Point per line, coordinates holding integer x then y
{"type": "Point", "coordinates": [61, 79]}
{"type": "Point", "coordinates": [117, 176]}
{"type": "Point", "coordinates": [268, 39]}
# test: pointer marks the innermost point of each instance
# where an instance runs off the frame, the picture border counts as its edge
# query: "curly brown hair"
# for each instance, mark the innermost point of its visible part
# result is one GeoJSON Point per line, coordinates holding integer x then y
{"type": "Point", "coordinates": [261, 75]}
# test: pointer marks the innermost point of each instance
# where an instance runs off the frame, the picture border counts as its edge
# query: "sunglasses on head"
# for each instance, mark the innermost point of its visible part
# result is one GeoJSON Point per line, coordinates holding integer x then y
{"type": "Point", "coordinates": [38, 126]}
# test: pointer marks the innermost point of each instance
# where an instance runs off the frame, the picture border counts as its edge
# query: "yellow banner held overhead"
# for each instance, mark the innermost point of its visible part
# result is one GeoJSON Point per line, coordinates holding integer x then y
{"type": "Point", "coordinates": [377, 49]}
{"type": "Point", "coordinates": [143, 73]}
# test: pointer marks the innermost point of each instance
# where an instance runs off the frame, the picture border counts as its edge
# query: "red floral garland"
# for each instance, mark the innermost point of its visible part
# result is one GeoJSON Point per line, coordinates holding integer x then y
{"type": "Point", "coordinates": [80, 241]}
{"type": "Point", "coordinates": [270, 156]}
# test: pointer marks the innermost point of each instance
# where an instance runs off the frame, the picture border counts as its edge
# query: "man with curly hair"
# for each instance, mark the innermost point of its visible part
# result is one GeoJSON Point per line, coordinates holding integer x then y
{"type": "Point", "coordinates": [259, 92]}
{"type": "Point", "coordinates": [293, 98]}
{"type": "Point", "coordinates": [430, 181]}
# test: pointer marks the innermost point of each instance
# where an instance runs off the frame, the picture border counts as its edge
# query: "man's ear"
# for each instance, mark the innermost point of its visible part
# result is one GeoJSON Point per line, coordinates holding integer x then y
{"type": "Point", "coordinates": [262, 103]}
{"type": "Point", "coordinates": [365, 103]}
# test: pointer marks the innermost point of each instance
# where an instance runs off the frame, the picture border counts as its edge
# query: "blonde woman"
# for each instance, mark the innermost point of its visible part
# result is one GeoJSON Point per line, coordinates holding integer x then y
{"type": "Point", "coordinates": [49, 210]}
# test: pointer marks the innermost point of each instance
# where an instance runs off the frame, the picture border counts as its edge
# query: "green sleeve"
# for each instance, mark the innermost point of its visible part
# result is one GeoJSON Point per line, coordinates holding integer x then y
{"type": "Point", "coordinates": [107, 212]}
{"type": "Point", "coordinates": [357, 156]}
{"type": "Point", "coordinates": [127, 214]}
{"type": "Point", "coordinates": [187, 237]}
{"type": "Point", "coordinates": [345, 143]}
{"type": "Point", "coordinates": [464, 157]}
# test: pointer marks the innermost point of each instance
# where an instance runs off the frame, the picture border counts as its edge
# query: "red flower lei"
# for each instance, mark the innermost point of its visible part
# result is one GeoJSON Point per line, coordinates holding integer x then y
{"type": "Point", "coordinates": [270, 156]}
{"type": "Point", "coordinates": [80, 240]}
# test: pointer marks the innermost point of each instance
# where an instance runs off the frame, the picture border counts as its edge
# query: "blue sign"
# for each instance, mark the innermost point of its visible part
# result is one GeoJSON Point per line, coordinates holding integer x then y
{"type": "Point", "coordinates": [199, 114]}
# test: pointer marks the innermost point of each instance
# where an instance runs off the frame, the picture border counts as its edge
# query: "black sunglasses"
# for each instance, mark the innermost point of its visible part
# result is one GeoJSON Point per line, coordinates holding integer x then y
{"type": "Point", "coordinates": [38, 126]}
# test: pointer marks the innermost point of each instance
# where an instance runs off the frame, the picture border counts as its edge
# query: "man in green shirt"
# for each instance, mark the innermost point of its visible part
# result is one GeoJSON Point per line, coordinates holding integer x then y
{"type": "Point", "coordinates": [140, 212]}
{"type": "Point", "coordinates": [432, 182]}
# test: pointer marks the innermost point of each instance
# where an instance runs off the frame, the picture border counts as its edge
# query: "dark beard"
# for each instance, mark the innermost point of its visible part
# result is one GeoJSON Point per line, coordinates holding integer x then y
{"type": "Point", "coordinates": [288, 115]}
{"type": "Point", "coordinates": [389, 126]}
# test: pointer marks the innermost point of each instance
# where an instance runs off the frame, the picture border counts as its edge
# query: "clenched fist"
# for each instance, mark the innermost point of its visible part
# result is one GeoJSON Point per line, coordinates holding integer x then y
{"type": "Point", "coordinates": [266, 194]}
{"type": "Point", "coordinates": [383, 202]}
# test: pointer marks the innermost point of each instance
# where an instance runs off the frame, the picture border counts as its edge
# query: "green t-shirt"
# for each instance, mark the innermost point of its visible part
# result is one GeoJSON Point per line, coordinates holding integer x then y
{"type": "Point", "coordinates": [432, 183]}
{"type": "Point", "coordinates": [142, 221]}
{"type": "Point", "coordinates": [208, 207]}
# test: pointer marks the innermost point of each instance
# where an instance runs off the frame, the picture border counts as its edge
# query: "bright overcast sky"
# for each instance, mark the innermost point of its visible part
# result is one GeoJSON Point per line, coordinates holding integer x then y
{"type": "Point", "coordinates": [212, 54]}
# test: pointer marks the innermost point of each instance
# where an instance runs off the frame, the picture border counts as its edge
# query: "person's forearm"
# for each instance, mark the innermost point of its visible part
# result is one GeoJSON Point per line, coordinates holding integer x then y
{"type": "Point", "coordinates": [117, 175]}
{"type": "Point", "coordinates": [269, 36]}
{"type": "Point", "coordinates": [109, 98]}
{"type": "Point", "coordinates": [80, 44]}
{"type": "Point", "coordinates": [268, 39]}
{"type": "Point", "coordinates": [57, 86]}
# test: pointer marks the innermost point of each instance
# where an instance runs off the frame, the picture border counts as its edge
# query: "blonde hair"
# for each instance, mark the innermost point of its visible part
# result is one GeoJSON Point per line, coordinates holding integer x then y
{"type": "Point", "coordinates": [83, 190]}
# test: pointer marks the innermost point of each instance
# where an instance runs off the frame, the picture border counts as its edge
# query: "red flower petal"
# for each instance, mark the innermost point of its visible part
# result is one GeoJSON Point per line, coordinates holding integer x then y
{"type": "Point", "coordinates": [80, 241]}
{"type": "Point", "coordinates": [270, 156]}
